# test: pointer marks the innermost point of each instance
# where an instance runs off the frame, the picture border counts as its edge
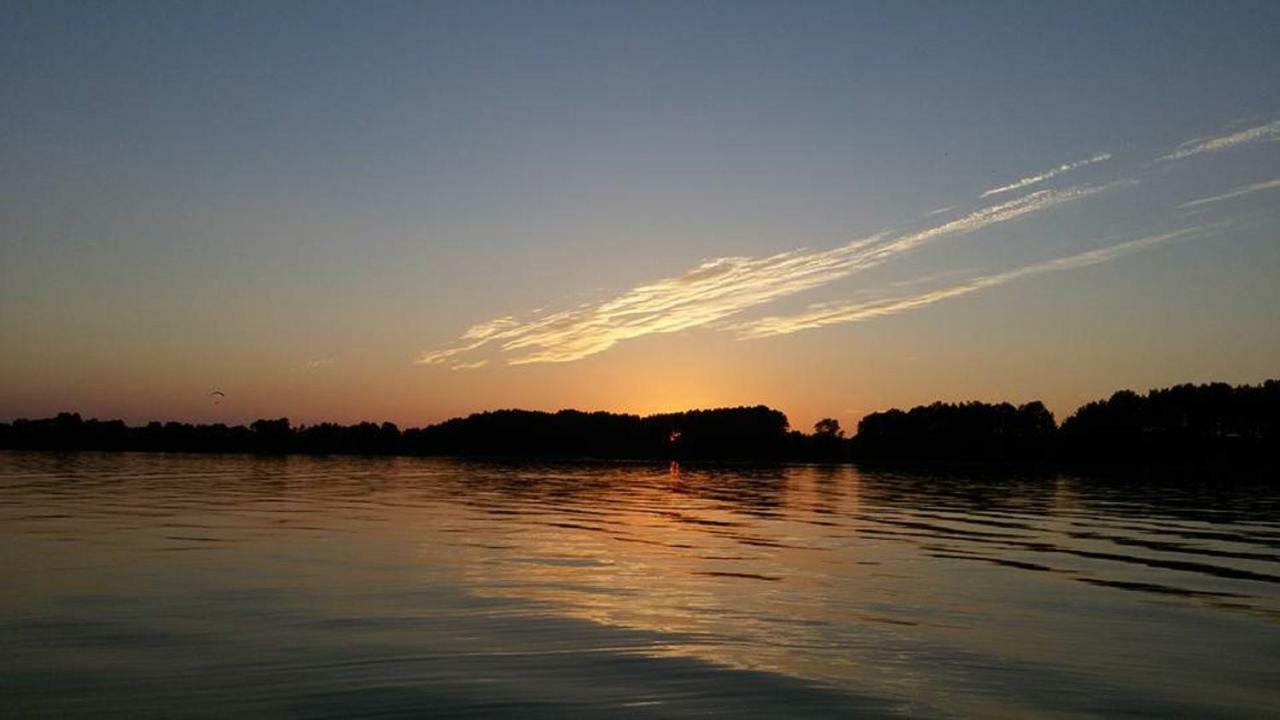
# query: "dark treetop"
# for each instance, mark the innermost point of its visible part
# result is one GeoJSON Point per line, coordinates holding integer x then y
{"type": "Point", "coordinates": [1209, 423]}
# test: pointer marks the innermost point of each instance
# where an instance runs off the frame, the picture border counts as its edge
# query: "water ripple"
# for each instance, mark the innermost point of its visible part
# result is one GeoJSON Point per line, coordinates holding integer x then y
{"type": "Point", "coordinates": [147, 585]}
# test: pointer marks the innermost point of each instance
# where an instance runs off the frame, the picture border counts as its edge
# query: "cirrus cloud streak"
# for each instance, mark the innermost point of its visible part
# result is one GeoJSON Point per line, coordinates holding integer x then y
{"type": "Point", "coordinates": [713, 291]}
{"type": "Point", "coordinates": [824, 314]}
{"type": "Point", "coordinates": [1245, 190]}
{"type": "Point", "coordinates": [1270, 131]}
{"type": "Point", "coordinates": [1041, 177]}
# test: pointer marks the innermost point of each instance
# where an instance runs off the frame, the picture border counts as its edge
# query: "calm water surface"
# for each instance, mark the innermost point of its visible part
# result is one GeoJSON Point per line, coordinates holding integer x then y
{"type": "Point", "coordinates": [188, 586]}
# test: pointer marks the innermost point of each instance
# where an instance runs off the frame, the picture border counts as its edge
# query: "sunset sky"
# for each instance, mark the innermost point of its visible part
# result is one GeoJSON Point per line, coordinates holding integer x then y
{"type": "Point", "coordinates": [409, 211]}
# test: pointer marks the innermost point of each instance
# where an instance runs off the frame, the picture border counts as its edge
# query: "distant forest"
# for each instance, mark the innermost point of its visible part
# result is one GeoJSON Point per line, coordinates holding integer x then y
{"type": "Point", "coordinates": [1186, 423]}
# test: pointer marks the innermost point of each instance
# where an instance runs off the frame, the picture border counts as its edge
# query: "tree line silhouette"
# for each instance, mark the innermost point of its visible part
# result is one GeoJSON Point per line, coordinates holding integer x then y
{"type": "Point", "coordinates": [1214, 422]}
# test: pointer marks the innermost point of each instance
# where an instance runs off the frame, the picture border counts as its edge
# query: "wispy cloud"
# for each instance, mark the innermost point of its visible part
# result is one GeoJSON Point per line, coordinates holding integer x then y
{"type": "Point", "coordinates": [713, 291]}
{"type": "Point", "coordinates": [1054, 172]}
{"type": "Point", "coordinates": [1244, 190]}
{"type": "Point", "coordinates": [1270, 131]}
{"type": "Point", "coordinates": [318, 363]}
{"type": "Point", "coordinates": [713, 294]}
{"type": "Point", "coordinates": [824, 314]}
{"type": "Point", "coordinates": [978, 219]}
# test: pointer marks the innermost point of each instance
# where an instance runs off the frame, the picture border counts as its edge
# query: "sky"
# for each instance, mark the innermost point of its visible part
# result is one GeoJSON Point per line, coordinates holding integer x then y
{"type": "Point", "coordinates": [412, 211]}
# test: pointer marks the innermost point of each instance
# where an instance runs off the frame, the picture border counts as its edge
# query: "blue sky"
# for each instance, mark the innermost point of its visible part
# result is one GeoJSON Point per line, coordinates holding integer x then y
{"type": "Point", "coordinates": [297, 202]}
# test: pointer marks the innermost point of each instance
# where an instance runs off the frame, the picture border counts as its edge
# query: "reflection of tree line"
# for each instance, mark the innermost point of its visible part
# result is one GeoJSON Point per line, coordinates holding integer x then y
{"type": "Point", "coordinates": [1205, 422]}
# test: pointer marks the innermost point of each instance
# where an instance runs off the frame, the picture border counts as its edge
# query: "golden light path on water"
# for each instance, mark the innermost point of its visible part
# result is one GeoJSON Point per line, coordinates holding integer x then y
{"type": "Point", "coordinates": [314, 586]}
{"type": "Point", "coordinates": [760, 585]}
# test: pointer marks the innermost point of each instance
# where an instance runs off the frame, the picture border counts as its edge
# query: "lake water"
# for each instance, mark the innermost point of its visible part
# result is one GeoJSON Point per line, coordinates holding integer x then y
{"type": "Point", "coordinates": [187, 586]}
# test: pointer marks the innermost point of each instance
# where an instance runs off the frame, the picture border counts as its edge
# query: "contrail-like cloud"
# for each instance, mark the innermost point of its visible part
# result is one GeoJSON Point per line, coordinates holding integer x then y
{"type": "Point", "coordinates": [1054, 172]}
{"type": "Point", "coordinates": [1245, 190]}
{"type": "Point", "coordinates": [713, 291]}
{"type": "Point", "coordinates": [824, 314]}
{"type": "Point", "coordinates": [1270, 131]}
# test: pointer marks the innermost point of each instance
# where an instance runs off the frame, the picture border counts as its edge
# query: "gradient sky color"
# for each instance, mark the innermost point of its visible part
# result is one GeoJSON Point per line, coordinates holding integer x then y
{"type": "Point", "coordinates": [408, 211]}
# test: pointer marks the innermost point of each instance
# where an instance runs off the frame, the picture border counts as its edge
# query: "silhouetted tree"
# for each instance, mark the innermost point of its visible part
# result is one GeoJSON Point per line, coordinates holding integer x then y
{"type": "Point", "coordinates": [964, 431]}
{"type": "Point", "coordinates": [1214, 422]}
{"type": "Point", "coordinates": [828, 427]}
{"type": "Point", "coordinates": [1208, 422]}
{"type": "Point", "coordinates": [272, 436]}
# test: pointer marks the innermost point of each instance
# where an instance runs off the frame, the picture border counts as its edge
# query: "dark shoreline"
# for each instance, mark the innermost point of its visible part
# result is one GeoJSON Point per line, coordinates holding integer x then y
{"type": "Point", "coordinates": [1186, 426]}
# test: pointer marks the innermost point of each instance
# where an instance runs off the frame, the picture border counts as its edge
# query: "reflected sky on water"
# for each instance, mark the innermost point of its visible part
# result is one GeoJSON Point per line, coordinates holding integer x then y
{"type": "Point", "coordinates": [163, 585]}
